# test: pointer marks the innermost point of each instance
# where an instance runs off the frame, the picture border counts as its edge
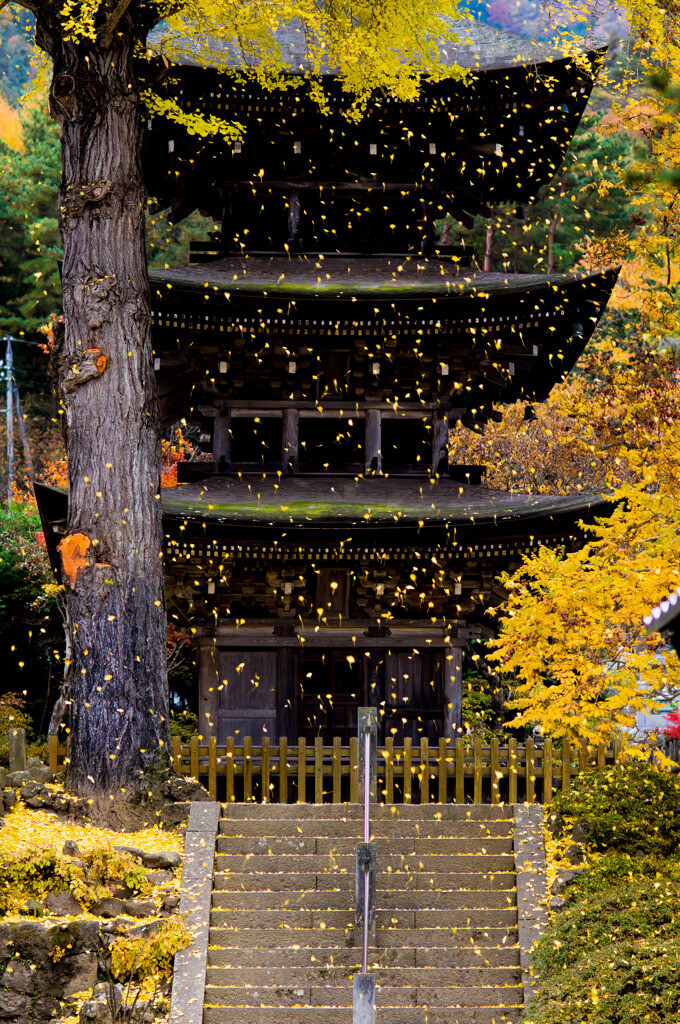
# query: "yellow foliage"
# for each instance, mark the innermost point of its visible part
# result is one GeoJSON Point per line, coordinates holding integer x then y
{"type": "Point", "coordinates": [10, 125]}
{"type": "Point", "coordinates": [27, 829]}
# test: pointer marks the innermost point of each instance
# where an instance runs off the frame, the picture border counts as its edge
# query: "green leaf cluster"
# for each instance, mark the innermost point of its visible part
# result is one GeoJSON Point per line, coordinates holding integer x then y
{"type": "Point", "coordinates": [632, 808]}
{"type": "Point", "coordinates": [33, 874]}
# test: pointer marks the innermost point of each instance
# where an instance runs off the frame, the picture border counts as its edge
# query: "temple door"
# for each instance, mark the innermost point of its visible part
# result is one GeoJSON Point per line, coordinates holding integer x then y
{"type": "Point", "coordinates": [247, 695]}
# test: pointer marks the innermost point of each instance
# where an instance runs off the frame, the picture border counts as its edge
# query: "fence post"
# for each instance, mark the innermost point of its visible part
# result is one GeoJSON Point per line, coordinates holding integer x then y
{"type": "Point", "coordinates": [424, 771]}
{"type": "Point", "coordinates": [302, 769]}
{"type": "Point", "coordinates": [512, 770]}
{"type": "Point", "coordinates": [477, 770]}
{"type": "Point", "coordinates": [247, 769]}
{"type": "Point", "coordinates": [17, 750]}
{"type": "Point", "coordinates": [230, 770]}
{"type": "Point", "coordinates": [318, 770]}
{"type": "Point", "coordinates": [530, 769]}
{"type": "Point", "coordinates": [194, 757]}
{"type": "Point", "coordinates": [389, 770]}
{"type": "Point", "coordinates": [266, 747]}
{"type": "Point", "coordinates": [177, 755]}
{"type": "Point", "coordinates": [53, 747]}
{"type": "Point", "coordinates": [337, 770]}
{"type": "Point", "coordinates": [407, 769]}
{"type": "Point", "coordinates": [368, 719]}
{"type": "Point", "coordinates": [495, 771]}
{"type": "Point", "coordinates": [460, 770]}
{"type": "Point", "coordinates": [212, 767]}
{"type": "Point", "coordinates": [443, 771]}
{"type": "Point", "coordinates": [547, 770]}
{"type": "Point", "coordinates": [283, 770]}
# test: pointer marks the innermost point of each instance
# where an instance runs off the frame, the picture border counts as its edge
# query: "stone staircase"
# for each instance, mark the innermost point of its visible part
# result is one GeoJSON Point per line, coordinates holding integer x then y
{"type": "Point", "coordinates": [281, 928]}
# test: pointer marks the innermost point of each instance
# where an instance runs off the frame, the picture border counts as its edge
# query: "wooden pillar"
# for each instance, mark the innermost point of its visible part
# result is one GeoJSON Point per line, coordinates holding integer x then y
{"type": "Point", "coordinates": [440, 443]}
{"type": "Point", "coordinates": [208, 693]}
{"type": "Point", "coordinates": [290, 447]}
{"type": "Point", "coordinates": [453, 691]}
{"type": "Point", "coordinates": [222, 437]}
{"type": "Point", "coordinates": [373, 442]}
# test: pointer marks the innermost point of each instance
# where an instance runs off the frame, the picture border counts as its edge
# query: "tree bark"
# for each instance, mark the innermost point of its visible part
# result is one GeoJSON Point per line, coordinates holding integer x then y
{"type": "Point", "coordinates": [111, 556]}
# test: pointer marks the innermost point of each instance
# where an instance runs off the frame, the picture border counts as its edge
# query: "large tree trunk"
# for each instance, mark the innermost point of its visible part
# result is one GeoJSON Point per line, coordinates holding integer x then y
{"type": "Point", "coordinates": [112, 552]}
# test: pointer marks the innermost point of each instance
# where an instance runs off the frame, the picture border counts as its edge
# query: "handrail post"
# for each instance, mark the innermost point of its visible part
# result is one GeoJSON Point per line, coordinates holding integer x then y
{"type": "Point", "coordinates": [363, 1002]}
{"type": "Point", "coordinates": [368, 719]}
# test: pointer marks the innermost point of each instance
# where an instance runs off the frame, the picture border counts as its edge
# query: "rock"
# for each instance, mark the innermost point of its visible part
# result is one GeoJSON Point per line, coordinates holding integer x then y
{"type": "Point", "coordinates": [34, 794]}
{"type": "Point", "coordinates": [39, 772]}
{"type": "Point", "coordinates": [140, 908]}
{"type": "Point", "coordinates": [97, 1010]}
{"type": "Point", "coordinates": [45, 1007]}
{"type": "Point", "coordinates": [161, 859]}
{"type": "Point", "coordinates": [60, 802]}
{"type": "Point", "coordinates": [180, 789]}
{"type": "Point", "coordinates": [173, 814]}
{"type": "Point", "coordinates": [70, 848]}
{"type": "Point", "coordinates": [108, 907]}
{"type": "Point", "coordinates": [9, 799]}
{"type": "Point", "coordinates": [556, 903]}
{"type": "Point", "coordinates": [564, 880]}
{"type": "Point", "coordinates": [171, 903]}
{"type": "Point", "coordinates": [14, 1004]}
{"type": "Point", "coordinates": [82, 972]}
{"type": "Point", "coordinates": [160, 877]}
{"type": "Point", "coordinates": [19, 977]}
{"type": "Point", "coordinates": [63, 904]}
{"type": "Point", "coordinates": [34, 907]}
{"type": "Point", "coordinates": [3, 778]}
{"type": "Point", "coordinates": [133, 851]}
{"type": "Point", "coordinates": [60, 778]}
{"type": "Point", "coordinates": [577, 855]}
{"type": "Point", "coordinates": [122, 892]}
{"type": "Point", "coordinates": [17, 779]}
{"type": "Point", "coordinates": [117, 926]}
{"type": "Point", "coordinates": [555, 823]}
{"type": "Point", "coordinates": [581, 831]}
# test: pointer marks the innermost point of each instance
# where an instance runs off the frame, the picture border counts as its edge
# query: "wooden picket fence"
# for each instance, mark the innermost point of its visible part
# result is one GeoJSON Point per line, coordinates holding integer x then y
{"type": "Point", "coordinates": [465, 771]}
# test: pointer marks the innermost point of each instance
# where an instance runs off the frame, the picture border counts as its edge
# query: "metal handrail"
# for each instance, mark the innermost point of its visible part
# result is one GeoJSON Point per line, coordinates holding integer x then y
{"type": "Point", "coordinates": [367, 836]}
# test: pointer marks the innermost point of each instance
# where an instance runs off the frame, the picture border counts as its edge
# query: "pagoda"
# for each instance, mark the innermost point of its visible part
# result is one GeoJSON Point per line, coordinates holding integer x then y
{"type": "Point", "coordinates": [327, 554]}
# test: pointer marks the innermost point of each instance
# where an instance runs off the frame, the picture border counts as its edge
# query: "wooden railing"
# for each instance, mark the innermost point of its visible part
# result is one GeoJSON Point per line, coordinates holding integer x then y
{"type": "Point", "coordinates": [465, 771]}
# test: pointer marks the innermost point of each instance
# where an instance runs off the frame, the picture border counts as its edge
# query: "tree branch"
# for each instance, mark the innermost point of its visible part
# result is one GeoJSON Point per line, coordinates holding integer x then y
{"type": "Point", "coordinates": [108, 29]}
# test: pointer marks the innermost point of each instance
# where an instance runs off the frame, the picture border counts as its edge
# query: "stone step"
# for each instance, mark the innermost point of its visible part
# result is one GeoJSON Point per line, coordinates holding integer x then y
{"type": "Point", "coordinates": [378, 959]}
{"type": "Point", "coordinates": [269, 938]}
{"type": "Point", "coordinates": [311, 828]}
{"type": "Point", "coordinates": [323, 863]}
{"type": "Point", "coordinates": [466, 977]}
{"type": "Point", "coordinates": [496, 918]}
{"type": "Point", "coordinates": [450, 812]}
{"type": "Point", "coordinates": [390, 881]}
{"type": "Point", "coordinates": [290, 846]}
{"type": "Point", "coordinates": [406, 899]}
{"type": "Point", "coordinates": [308, 996]}
{"type": "Point", "coordinates": [343, 1015]}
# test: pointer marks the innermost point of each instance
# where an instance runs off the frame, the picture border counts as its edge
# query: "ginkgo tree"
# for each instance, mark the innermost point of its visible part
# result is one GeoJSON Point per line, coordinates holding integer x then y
{"type": "Point", "coordinates": [102, 78]}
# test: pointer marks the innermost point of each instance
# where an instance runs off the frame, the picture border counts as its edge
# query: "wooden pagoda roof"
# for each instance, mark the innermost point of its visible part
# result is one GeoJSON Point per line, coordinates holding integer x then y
{"type": "Point", "coordinates": [338, 517]}
{"type": "Point", "coordinates": [344, 276]}
{"type": "Point", "coordinates": [499, 338]}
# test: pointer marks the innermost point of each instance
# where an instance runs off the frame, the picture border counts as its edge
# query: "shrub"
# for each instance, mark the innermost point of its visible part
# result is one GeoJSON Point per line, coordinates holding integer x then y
{"type": "Point", "coordinates": [622, 983]}
{"type": "Point", "coordinates": [595, 917]}
{"type": "Point", "coordinates": [140, 958]}
{"type": "Point", "coordinates": [33, 873]}
{"type": "Point", "coordinates": [631, 807]}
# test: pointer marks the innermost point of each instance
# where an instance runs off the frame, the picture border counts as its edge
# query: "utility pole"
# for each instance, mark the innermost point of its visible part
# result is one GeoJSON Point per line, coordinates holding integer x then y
{"type": "Point", "coordinates": [9, 416]}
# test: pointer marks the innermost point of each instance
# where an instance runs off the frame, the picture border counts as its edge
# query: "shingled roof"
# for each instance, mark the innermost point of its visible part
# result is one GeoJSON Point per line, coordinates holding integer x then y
{"type": "Point", "coordinates": [344, 276]}
{"type": "Point", "coordinates": [479, 46]}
